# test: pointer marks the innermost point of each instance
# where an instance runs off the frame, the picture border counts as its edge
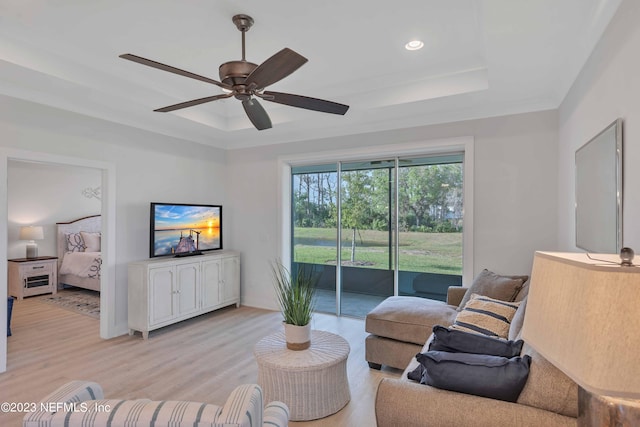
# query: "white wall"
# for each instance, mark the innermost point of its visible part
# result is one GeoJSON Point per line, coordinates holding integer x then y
{"type": "Point", "coordinates": [43, 194]}
{"type": "Point", "coordinates": [148, 167]}
{"type": "Point", "coordinates": [608, 87]}
{"type": "Point", "coordinates": [514, 184]}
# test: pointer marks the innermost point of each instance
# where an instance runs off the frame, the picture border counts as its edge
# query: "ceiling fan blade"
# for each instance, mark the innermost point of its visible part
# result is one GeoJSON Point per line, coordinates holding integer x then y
{"type": "Point", "coordinates": [305, 102]}
{"type": "Point", "coordinates": [256, 114]}
{"type": "Point", "coordinates": [193, 102]}
{"type": "Point", "coordinates": [164, 67]}
{"type": "Point", "coordinates": [275, 68]}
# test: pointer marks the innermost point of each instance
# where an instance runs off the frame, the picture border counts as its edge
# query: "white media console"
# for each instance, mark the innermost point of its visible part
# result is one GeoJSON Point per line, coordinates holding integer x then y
{"type": "Point", "coordinates": [163, 291]}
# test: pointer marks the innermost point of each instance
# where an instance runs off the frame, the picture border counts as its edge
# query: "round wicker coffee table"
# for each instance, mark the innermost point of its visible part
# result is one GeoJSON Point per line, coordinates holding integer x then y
{"type": "Point", "coordinates": [312, 382]}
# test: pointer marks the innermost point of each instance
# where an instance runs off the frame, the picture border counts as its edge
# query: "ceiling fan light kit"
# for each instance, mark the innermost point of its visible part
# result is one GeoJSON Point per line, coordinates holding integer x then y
{"type": "Point", "coordinates": [246, 82]}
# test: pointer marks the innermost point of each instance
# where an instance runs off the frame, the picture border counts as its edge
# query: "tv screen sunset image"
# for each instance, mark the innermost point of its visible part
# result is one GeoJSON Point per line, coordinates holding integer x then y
{"type": "Point", "coordinates": [185, 228]}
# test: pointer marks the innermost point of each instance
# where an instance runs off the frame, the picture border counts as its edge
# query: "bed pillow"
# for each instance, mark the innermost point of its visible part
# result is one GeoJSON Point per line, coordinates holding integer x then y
{"type": "Point", "coordinates": [75, 242]}
{"type": "Point", "coordinates": [494, 377]}
{"type": "Point", "coordinates": [493, 285]}
{"type": "Point", "coordinates": [488, 316]}
{"type": "Point", "coordinates": [91, 241]}
{"type": "Point", "coordinates": [457, 341]}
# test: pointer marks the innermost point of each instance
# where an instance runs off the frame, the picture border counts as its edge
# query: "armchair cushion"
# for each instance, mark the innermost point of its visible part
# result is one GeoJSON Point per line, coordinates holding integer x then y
{"type": "Point", "coordinates": [276, 414]}
{"type": "Point", "coordinates": [243, 407]}
{"type": "Point", "coordinates": [408, 319]}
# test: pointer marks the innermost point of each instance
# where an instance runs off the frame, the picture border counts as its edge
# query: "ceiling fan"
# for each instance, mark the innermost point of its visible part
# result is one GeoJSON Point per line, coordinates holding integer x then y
{"type": "Point", "coordinates": [246, 81]}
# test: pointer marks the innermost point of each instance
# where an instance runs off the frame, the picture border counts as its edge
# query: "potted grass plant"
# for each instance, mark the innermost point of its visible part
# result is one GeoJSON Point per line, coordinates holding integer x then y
{"type": "Point", "coordinates": [295, 297]}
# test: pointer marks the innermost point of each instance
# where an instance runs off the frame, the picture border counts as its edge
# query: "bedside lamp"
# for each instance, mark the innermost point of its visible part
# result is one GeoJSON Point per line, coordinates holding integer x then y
{"type": "Point", "coordinates": [31, 233]}
{"type": "Point", "coordinates": [582, 315]}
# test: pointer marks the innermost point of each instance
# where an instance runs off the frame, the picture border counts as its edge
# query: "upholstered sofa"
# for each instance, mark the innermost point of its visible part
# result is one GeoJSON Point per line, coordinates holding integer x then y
{"type": "Point", "coordinates": [81, 403]}
{"type": "Point", "coordinates": [401, 327]}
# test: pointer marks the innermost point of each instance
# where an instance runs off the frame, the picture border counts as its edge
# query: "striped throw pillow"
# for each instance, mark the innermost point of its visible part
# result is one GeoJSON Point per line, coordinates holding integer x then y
{"type": "Point", "coordinates": [488, 316]}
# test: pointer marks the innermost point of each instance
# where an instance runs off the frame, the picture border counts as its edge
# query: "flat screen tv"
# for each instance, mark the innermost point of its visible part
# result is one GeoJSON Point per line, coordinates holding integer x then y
{"type": "Point", "coordinates": [181, 229]}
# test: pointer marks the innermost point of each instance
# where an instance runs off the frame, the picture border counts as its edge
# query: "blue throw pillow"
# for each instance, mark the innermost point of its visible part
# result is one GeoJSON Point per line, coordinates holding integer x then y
{"type": "Point", "coordinates": [456, 341]}
{"type": "Point", "coordinates": [482, 375]}
{"type": "Point", "coordinates": [416, 374]}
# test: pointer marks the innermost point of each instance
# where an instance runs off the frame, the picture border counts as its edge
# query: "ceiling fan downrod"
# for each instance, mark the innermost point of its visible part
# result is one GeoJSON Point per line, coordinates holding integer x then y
{"type": "Point", "coordinates": [234, 73]}
{"type": "Point", "coordinates": [243, 23]}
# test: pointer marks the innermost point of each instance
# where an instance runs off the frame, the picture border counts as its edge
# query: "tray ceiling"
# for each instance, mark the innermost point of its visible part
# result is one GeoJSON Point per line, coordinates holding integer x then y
{"type": "Point", "coordinates": [481, 58]}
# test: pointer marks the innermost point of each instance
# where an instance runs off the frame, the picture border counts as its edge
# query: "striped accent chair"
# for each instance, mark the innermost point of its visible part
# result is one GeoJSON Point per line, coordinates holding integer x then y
{"type": "Point", "coordinates": [82, 403]}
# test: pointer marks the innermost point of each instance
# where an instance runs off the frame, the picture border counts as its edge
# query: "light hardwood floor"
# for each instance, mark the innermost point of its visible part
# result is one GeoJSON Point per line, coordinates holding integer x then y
{"type": "Point", "coordinates": [200, 359]}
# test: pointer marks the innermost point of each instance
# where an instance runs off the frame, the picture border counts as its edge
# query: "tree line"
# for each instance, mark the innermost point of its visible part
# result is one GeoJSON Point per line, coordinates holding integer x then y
{"type": "Point", "coordinates": [430, 198]}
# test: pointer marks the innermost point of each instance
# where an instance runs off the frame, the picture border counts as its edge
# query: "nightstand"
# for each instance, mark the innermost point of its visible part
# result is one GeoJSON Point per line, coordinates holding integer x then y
{"type": "Point", "coordinates": [33, 276]}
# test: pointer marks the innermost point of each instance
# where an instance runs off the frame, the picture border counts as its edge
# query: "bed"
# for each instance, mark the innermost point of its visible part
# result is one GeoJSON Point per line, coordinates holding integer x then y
{"type": "Point", "coordinates": [79, 256]}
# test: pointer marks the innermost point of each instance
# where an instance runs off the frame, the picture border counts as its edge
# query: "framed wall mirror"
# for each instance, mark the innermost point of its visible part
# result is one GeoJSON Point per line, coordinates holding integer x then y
{"type": "Point", "coordinates": [598, 205]}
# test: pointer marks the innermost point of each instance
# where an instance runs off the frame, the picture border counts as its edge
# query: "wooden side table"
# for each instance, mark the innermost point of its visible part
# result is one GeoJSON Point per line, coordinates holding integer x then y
{"type": "Point", "coordinates": [33, 276]}
{"type": "Point", "coordinates": [312, 382]}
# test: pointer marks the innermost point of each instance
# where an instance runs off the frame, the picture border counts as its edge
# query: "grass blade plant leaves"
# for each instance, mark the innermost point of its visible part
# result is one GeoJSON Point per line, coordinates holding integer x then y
{"type": "Point", "coordinates": [295, 293]}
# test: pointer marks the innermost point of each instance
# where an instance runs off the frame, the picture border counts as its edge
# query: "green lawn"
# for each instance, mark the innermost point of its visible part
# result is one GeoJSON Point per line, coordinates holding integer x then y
{"type": "Point", "coordinates": [423, 252]}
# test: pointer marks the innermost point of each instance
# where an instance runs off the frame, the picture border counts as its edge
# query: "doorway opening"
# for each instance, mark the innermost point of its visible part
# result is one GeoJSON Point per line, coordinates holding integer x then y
{"type": "Point", "coordinates": [108, 327]}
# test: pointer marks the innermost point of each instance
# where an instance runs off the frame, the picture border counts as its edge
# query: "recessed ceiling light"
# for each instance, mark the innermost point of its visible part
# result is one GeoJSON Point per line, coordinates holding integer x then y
{"type": "Point", "coordinates": [414, 45]}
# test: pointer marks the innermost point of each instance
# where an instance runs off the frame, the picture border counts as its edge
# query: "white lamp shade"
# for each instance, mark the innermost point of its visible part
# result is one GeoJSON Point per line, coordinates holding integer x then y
{"type": "Point", "coordinates": [31, 233]}
{"type": "Point", "coordinates": [583, 316]}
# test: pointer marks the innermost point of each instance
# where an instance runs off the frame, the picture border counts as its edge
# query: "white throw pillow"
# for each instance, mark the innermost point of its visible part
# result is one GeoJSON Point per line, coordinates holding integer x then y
{"type": "Point", "coordinates": [91, 241]}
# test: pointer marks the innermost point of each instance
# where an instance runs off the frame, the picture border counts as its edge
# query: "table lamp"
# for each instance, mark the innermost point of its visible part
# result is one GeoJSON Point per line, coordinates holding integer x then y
{"type": "Point", "coordinates": [582, 315]}
{"type": "Point", "coordinates": [31, 233]}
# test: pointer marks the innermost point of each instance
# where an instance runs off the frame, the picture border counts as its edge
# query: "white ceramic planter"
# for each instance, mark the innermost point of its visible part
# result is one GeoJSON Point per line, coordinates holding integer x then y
{"type": "Point", "coordinates": [297, 337]}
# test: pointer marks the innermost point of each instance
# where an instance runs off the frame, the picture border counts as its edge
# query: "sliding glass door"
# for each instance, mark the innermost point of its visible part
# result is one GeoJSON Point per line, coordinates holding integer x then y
{"type": "Point", "coordinates": [367, 207]}
{"type": "Point", "coordinates": [430, 225]}
{"type": "Point", "coordinates": [376, 228]}
{"type": "Point", "coordinates": [314, 241]}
